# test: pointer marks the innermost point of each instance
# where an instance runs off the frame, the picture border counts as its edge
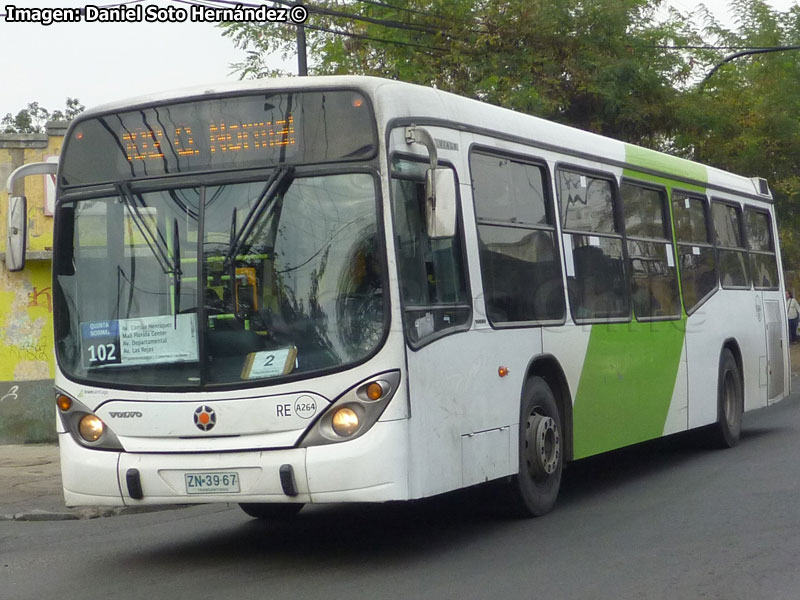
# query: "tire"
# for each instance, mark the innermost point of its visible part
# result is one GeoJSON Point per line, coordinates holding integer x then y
{"type": "Point", "coordinates": [269, 511]}
{"type": "Point", "coordinates": [533, 491]}
{"type": "Point", "coordinates": [730, 403]}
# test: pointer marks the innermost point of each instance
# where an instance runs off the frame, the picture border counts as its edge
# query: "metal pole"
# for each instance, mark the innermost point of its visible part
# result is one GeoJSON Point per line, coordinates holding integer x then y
{"type": "Point", "coordinates": [736, 55]}
{"type": "Point", "coordinates": [302, 64]}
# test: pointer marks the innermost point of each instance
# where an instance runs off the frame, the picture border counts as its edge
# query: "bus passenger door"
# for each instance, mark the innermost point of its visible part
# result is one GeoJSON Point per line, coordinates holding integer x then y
{"type": "Point", "coordinates": [773, 322]}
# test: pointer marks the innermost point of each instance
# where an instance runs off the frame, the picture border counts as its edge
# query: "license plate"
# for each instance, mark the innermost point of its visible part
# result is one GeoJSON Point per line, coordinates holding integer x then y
{"type": "Point", "coordinates": [212, 483]}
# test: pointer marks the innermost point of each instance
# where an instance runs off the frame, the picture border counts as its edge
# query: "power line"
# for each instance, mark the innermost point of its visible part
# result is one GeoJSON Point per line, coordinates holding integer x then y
{"type": "Point", "coordinates": [689, 47]}
{"type": "Point", "coordinates": [352, 16]}
{"type": "Point", "coordinates": [373, 39]}
{"type": "Point", "coordinates": [391, 24]}
{"type": "Point", "coordinates": [386, 23]}
{"type": "Point", "coordinates": [325, 29]}
{"type": "Point", "coordinates": [401, 8]}
{"type": "Point", "coordinates": [420, 12]}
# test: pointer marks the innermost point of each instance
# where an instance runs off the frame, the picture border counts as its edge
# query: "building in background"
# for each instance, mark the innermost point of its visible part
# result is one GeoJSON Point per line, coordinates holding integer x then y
{"type": "Point", "coordinates": [27, 412]}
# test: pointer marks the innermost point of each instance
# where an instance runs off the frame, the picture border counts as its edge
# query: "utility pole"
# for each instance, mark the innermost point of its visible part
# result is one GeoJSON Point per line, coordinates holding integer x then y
{"type": "Point", "coordinates": [302, 61]}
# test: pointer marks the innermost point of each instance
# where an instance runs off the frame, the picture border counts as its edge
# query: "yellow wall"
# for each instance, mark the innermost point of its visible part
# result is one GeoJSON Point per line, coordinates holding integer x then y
{"type": "Point", "coordinates": [26, 301]}
{"type": "Point", "coordinates": [26, 307]}
{"type": "Point", "coordinates": [26, 323]}
{"type": "Point", "coordinates": [40, 226]}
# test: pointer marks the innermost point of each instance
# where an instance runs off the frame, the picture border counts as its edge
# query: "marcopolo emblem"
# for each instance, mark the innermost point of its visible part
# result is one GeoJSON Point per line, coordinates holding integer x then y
{"type": "Point", "coordinates": [205, 418]}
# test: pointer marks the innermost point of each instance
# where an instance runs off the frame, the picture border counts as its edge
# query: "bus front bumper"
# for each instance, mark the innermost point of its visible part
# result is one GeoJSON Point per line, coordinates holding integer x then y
{"type": "Point", "coordinates": [371, 468]}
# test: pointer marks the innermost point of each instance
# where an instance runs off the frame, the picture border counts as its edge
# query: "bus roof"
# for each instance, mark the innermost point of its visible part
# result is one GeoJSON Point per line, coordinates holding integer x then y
{"type": "Point", "coordinates": [399, 100]}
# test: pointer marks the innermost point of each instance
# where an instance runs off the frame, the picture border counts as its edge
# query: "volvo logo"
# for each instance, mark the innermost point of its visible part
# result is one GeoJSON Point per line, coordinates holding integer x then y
{"type": "Point", "coordinates": [131, 414]}
{"type": "Point", "coordinates": [205, 418]}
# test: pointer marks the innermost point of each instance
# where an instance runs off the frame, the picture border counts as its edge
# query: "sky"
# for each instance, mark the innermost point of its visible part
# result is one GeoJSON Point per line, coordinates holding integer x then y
{"type": "Point", "coordinates": [103, 62]}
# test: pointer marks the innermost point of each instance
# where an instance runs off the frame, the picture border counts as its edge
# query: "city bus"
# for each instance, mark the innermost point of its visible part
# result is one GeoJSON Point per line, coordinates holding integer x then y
{"type": "Point", "coordinates": [349, 289]}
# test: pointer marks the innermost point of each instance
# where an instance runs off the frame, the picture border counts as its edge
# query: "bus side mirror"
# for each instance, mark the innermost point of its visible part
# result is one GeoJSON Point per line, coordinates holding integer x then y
{"type": "Point", "coordinates": [17, 233]}
{"type": "Point", "coordinates": [440, 203]}
{"type": "Point", "coordinates": [17, 230]}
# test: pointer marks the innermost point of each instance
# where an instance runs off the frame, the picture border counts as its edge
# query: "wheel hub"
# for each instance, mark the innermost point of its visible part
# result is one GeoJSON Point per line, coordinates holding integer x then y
{"type": "Point", "coordinates": [729, 398]}
{"type": "Point", "coordinates": [543, 445]}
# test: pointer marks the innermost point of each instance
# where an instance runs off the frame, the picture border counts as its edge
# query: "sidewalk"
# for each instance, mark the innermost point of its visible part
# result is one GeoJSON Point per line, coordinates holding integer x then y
{"type": "Point", "coordinates": [30, 488]}
{"type": "Point", "coordinates": [30, 481]}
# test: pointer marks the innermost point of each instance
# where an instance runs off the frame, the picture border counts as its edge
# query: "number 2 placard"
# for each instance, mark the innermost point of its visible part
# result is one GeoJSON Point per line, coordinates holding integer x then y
{"type": "Point", "coordinates": [269, 363]}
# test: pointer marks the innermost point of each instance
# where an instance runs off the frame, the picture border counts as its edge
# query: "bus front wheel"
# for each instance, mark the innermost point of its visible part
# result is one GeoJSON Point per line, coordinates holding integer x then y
{"type": "Point", "coordinates": [271, 511]}
{"type": "Point", "coordinates": [541, 457]}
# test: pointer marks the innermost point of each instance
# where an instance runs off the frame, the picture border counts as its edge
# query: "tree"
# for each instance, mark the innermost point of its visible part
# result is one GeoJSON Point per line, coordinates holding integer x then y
{"type": "Point", "coordinates": [609, 66]}
{"type": "Point", "coordinates": [746, 118]}
{"type": "Point", "coordinates": [33, 118]}
{"type": "Point", "coordinates": [594, 64]}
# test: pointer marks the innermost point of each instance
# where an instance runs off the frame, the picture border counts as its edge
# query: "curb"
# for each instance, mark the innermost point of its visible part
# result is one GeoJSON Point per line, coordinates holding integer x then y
{"type": "Point", "coordinates": [94, 512]}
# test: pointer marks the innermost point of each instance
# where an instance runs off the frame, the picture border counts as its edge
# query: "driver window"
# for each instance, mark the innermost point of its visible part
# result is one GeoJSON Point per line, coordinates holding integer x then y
{"type": "Point", "coordinates": [432, 277]}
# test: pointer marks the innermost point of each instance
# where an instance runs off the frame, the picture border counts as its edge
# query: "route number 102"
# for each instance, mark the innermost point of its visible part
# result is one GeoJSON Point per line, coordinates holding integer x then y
{"type": "Point", "coordinates": [102, 353]}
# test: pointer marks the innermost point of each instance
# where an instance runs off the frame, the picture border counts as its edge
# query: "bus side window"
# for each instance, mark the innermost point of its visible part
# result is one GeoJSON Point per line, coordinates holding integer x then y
{"type": "Point", "coordinates": [731, 249]}
{"type": "Point", "coordinates": [654, 280]}
{"type": "Point", "coordinates": [695, 252]}
{"type": "Point", "coordinates": [761, 244]}
{"type": "Point", "coordinates": [431, 273]}
{"type": "Point", "coordinates": [520, 262]}
{"type": "Point", "coordinates": [598, 288]}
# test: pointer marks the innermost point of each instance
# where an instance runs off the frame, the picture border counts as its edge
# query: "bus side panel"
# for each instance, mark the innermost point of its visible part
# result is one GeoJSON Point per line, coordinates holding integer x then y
{"type": "Point", "coordinates": [629, 380]}
{"type": "Point", "coordinates": [678, 412]}
{"type": "Point", "coordinates": [727, 315]}
{"type": "Point", "coordinates": [464, 416]}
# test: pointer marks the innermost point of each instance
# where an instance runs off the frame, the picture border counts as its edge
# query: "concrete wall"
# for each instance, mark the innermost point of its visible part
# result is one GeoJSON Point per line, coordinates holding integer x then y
{"type": "Point", "coordinates": [27, 412]}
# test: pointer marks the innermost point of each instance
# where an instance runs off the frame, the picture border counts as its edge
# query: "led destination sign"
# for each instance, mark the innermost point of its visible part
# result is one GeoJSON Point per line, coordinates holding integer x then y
{"type": "Point", "coordinates": [226, 133]}
{"type": "Point", "coordinates": [150, 144]}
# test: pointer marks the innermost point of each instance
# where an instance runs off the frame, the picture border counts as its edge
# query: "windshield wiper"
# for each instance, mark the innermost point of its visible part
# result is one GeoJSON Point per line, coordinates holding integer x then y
{"type": "Point", "coordinates": [158, 250]}
{"type": "Point", "coordinates": [278, 183]}
{"type": "Point", "coordinates": [176, 285]}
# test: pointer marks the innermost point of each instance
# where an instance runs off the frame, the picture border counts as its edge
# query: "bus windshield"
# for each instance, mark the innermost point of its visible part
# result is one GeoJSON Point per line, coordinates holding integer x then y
{"type": "Point", "coordinates": [220, 284]}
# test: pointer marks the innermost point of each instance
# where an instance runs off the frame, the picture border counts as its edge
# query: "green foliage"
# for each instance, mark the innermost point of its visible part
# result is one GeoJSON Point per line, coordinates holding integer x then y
{"type": "Point", "coordinates": [746, 117]}
{"type": "Point", "coordinates": [600, 65]}
{"type": "Point", "coordinates": [33, 118]}
{"type": "Point", "coordinates": [589, 63]}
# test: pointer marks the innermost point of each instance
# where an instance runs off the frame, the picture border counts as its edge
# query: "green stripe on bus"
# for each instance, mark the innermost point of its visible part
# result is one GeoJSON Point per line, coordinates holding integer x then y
{"type": "Point", "coordinates": [626, 384]}
{"type": "Point", "coordinates": [669, 165]}
{"type": "Point", "coordinates": [630, 370]}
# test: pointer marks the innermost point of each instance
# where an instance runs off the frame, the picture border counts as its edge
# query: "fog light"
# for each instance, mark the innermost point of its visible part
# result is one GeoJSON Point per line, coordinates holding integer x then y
{"type": "Point", "coordinates": [64, 403]}
{"type": "Point", "coordinates": [91, 428]}
{"type": "Point", "coordinates": [345, 422]}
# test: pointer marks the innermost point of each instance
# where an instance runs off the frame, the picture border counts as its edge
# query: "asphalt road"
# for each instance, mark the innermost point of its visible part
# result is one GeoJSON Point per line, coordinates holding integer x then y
{"type": "Point", "coordinates": [668, 519]}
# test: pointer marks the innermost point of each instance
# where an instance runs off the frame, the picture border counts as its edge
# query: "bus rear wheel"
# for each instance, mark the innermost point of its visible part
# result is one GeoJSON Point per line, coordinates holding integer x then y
{"type": "Point", "coordinates": [535, 488]}
{"type": "Point", "coordinates": [269, 511]}
{"type": "Point", "coordinates": [730, 402]}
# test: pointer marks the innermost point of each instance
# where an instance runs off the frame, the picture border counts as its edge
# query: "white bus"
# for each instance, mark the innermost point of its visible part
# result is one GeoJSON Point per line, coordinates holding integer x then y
{"type": "Point", "coordinates": [343, 289]}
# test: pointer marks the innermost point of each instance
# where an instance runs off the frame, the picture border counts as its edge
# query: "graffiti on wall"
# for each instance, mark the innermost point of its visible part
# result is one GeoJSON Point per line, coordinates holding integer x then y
{"type": "Point", "coordinates": [27, 412]}
{"type": "Point", "coordinates": [26, 323]}
{"type": "Point", "coordinates": [38, 295]}
{"type": "Point", "coordinates": [26, 307]}
{"type": "Point", "coordinates": [11, 394]}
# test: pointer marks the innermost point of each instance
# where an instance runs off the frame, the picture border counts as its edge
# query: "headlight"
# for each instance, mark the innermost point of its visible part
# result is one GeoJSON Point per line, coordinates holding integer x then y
{"type": "Point", "coordinates": [345, 422]}
{"type": "Point", "coordinates": [91, 428]}
{"type": "Point", "coordinates": [85, 427]}
{"type": "Point", "coordinates": [354, 412]}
